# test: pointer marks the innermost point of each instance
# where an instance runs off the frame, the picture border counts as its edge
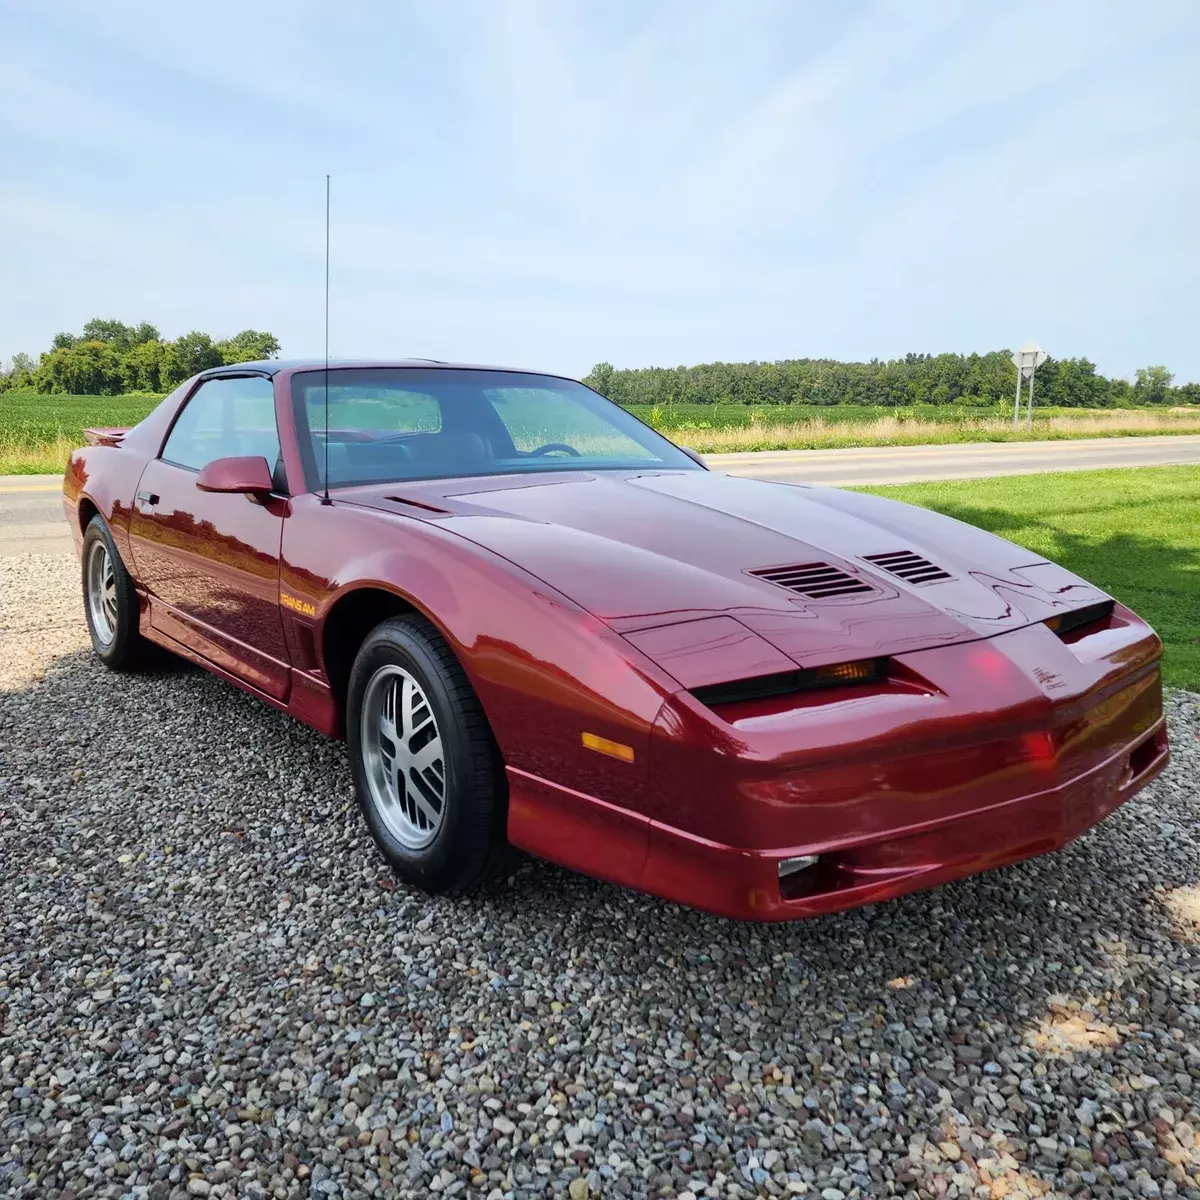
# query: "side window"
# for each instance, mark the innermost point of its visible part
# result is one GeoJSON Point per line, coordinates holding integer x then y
{"type": "Point", "coordinates": [225, 418]}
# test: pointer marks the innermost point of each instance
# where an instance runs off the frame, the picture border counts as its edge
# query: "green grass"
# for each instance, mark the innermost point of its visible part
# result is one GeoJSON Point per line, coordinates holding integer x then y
{"type": "Point", "coordinates": [38, 432]}
{"type": "Point", "coordinates": [736, 416]}
{"type": "Point", "coordinates": [1134, 533]}
{"type": "Point", "coordinates": [731, 428]}
{"type": "Point", "coordinates": [696, 418]}
{"type": "Point", "coordinates": [36, 418]}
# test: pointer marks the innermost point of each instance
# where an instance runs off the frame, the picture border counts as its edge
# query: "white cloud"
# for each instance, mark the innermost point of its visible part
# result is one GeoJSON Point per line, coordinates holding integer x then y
{"type": "Point", "coordinates": [559, 183]}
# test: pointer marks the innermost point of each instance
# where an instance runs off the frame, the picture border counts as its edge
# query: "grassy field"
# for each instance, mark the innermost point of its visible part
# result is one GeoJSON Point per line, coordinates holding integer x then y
{"type": "Point", "coordinates": [720, 428]}
{"type": "Point", "coordinates": [702, 417]}
{"type": "Point", "coordinates": [37, 432]}
{"type": "Point", "coordinates": [1134, 533]}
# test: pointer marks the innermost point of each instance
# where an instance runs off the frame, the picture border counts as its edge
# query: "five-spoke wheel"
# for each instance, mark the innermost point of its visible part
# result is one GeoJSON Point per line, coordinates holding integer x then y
{"type": "Point", "coordinates": [110, 601]}
{"type": "Point", "coordinates": [426, 770]}
{"type": "Point", "coordinates": [403, 756]}
{"type": "Point", "coordinates": [102, 591]}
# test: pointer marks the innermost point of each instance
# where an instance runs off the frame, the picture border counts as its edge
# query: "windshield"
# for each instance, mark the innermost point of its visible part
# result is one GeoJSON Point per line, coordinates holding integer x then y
{"type": "Point", "coordinates": [396, 423]}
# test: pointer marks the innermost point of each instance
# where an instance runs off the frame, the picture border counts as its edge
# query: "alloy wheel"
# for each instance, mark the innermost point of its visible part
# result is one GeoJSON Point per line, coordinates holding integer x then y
{"type": "Point", "coordinates": [102, 592]}
{"type": "Point", "coordinates": [403, 756]}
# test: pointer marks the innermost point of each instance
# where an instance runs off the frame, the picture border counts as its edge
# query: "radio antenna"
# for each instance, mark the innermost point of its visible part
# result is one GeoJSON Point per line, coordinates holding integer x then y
{"type": "Point", "coordinates": [325, 499]}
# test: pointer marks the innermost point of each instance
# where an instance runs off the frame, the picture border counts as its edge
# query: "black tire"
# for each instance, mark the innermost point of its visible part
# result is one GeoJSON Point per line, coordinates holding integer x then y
{"type": "Point", "coordinates": [124, 649]}
{"type": "Point", "coordinates": [469, 843]}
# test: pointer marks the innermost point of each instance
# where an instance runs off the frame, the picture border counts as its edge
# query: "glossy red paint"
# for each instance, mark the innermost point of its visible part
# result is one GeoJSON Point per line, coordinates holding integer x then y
{"type": "Point", "coordinates": [249, 476]}
{"type": "Point", "coordinates": [209, 561]}
{"type": "Point", "coordinates": [598, 601]}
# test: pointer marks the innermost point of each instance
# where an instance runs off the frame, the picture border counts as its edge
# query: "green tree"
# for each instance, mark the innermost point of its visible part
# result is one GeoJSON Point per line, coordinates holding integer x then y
{"type": "Point", "coordinates": [91, 368]}
{"type": "Point", "coordinates": [189, 354]}
{"type": "Point", "coordinates": [977, 380]}
{"type": "Point", "coordinates": [600, 379]}
{"type": "Point", "coordinates": [19, 375]}
{"type": "Point", "coordinates": [63, 340]}
{"type": "Point", "coordinates": [251, 345]}
{"type": "Point", "coordinates": [1152, 384]}
{"type": "Point", "coordinates": [116, 333]}
{"type": "Point", "coordinates": [142, 367]}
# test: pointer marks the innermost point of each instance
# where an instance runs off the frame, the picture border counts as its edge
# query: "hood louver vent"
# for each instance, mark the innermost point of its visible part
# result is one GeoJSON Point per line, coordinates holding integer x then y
{"type": "Point", "coordinates": [910, 567]}
{"type": "Point", "coordinates": [816, 581]}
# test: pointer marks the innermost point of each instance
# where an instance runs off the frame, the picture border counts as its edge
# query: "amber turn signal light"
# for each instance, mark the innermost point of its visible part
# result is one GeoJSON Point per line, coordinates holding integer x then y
{"type": "Point", "coordinates": [1069, 622]}
{"type": "Point", "coordinates": [845, 672]}
{"type": "Point", "coordinates": [601, 745]}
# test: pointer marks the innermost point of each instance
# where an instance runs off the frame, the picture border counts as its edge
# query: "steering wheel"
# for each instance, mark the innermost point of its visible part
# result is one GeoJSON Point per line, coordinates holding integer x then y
{"type": "Point", "coordinates": [551, 446]}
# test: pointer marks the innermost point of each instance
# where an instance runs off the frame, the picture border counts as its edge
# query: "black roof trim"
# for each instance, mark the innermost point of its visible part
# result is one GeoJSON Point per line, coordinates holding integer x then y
{"type": "Point", "coordinates": [273, 366]}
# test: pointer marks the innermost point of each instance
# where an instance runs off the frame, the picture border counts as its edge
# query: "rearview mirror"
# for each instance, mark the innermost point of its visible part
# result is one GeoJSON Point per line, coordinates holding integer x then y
{"type": "Point", "coordinates": [250, 475]}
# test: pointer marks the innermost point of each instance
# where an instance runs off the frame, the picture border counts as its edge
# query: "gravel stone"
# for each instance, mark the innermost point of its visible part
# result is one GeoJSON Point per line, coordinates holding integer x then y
{"type": "Point", "coordinates": [210, 985]}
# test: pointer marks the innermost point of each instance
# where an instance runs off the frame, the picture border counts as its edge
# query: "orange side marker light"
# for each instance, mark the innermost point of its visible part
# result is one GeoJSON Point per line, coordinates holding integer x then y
{"type": "Point", "coordinates": [602, 745]}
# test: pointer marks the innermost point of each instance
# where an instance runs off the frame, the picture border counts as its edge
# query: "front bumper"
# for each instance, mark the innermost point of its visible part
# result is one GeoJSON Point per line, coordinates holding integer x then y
{"type": "Point", "coordinates": [969, 757]}
{"type": "Point", "coordinates": [972, 757]}
{"type": "Point", "coordinates": [739, 882]}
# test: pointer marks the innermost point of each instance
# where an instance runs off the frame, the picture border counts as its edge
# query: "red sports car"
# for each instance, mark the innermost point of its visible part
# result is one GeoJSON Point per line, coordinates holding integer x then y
{"type": "Point", "coordinates": [537, 622]}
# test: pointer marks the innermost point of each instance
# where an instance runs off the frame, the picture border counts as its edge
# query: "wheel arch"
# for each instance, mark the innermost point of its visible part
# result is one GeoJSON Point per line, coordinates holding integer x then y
{"type": "Point", "coordinates": [348, 622]}
{"type": "Point", "coordinates": [86, 509]}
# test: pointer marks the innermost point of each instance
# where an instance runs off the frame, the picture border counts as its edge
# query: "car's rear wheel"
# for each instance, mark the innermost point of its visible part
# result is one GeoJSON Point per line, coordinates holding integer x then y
{"type": "Point", "coordinates": [110, 601]}
{"type": "Point", "coordinates": [426, 769]}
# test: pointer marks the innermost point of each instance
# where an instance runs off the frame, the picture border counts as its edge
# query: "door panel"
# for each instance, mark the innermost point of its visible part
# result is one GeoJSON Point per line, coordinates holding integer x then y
{"type": "Point", "coordinates": [210, 560]}
{"type": "Point", "coordinates": [211, 563]}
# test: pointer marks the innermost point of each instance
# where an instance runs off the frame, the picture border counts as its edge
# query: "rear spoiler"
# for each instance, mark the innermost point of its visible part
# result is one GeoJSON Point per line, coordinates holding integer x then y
{"type": "Point", "coordinates": [104, 436]}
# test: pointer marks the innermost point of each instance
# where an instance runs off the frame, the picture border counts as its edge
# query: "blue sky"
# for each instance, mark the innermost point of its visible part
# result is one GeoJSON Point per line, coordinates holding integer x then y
{"type": "Point", "coordinates": [553, 184]}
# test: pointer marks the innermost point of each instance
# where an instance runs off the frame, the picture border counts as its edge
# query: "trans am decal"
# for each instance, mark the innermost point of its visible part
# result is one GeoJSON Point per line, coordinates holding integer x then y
{"type": "Point", "coordinates": [301, 606]}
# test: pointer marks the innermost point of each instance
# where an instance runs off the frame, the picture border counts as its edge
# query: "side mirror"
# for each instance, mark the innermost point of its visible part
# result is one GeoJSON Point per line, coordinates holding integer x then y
{"type": "Point", "coordinates": [694, 456]}
{"type": "Point", "coordinates": [250, 475]}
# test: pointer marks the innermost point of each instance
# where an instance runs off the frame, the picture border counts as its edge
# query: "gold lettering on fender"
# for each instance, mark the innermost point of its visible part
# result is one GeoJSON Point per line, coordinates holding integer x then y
{"type": "Point", "coordinates": [301, 606]}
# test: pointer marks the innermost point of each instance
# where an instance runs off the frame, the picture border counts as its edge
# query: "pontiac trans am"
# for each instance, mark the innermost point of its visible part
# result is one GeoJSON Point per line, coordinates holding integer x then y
{"type": "Point", "coordinates": [539, 623]}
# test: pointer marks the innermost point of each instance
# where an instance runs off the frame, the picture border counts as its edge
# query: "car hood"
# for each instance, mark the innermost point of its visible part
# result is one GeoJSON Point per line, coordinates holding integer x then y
{"type": "Point", "coordinates": [644, 550]}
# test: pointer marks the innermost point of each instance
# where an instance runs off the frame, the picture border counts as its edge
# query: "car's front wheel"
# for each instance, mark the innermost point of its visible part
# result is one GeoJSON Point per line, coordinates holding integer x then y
{"type": "Point", "coordinates": [110, 601]}
{"type": "Point", "coordinates": [426, 769]}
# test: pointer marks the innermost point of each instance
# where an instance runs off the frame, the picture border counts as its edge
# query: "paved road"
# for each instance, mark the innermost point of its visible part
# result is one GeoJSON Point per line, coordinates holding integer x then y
{"type": "Point", "coordinates": [975, 460]}
{"type": "Point", "coordinates": [31, 510]}
{"type": "Point", "coordinates": [31, 514]}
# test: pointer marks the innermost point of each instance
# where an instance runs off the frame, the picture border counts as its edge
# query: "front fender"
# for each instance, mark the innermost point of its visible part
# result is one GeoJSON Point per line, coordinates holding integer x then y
{"type": "Point", "coordinates": [545, 671]}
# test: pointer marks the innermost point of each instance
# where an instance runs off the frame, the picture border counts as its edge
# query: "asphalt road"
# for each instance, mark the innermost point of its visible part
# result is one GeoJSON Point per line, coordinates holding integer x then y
{"type": "Point", "coordinates": [973, 460]}
{"type": "Point", "coordinates": [31, 518]}
{"type": "Point", "coordinates": [31, 515]}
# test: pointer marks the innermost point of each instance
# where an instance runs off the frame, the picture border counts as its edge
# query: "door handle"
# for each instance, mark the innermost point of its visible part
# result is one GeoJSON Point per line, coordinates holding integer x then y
{"type": "Point", "coordinates": [150, 498]}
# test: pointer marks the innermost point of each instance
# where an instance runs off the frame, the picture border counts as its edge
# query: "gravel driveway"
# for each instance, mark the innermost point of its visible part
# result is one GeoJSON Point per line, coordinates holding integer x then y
{"type": "Point", "coordinates": [210, 986]}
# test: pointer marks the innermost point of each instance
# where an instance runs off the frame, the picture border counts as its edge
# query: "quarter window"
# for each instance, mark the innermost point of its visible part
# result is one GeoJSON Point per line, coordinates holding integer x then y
{"type": "Point", "coordinates": [225, 418]}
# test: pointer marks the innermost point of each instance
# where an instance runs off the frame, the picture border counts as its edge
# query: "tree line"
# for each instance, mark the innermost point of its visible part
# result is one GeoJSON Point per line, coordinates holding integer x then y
{"type": "Point", "coordinates": [976, 380]}
{"type": "Point", "coordinates": [110, 358]}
